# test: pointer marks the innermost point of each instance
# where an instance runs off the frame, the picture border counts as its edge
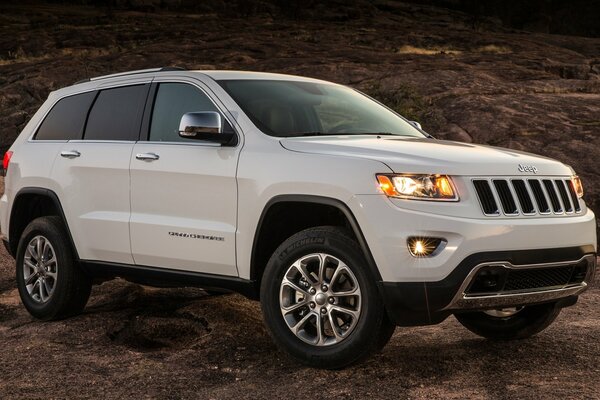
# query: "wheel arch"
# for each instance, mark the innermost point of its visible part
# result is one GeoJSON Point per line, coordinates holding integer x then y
{"type": "Point", "coordinates": [30, 203]}
{"type": "Point", "coordinates": [256, 269]}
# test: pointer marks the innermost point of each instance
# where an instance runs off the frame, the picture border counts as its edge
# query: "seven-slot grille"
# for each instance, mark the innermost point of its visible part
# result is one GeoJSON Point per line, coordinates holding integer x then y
{"type": "Point", "coordinates": [533, 196]}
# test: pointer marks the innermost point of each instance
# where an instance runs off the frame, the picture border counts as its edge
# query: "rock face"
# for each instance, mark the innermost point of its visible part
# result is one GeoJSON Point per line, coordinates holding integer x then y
{"type": "Point", "coordinates": [480, 83]}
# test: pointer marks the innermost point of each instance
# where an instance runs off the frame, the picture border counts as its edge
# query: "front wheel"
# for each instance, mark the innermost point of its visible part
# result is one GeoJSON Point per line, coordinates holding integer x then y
{"type": "Point", "coordinates": [510, 323]}
{"type": "Point", "coordinates": [320, 302]}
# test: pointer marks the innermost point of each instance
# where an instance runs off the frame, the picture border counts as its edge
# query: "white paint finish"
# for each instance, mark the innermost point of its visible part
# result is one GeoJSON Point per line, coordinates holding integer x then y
{"type": "Point", "coordinates": [30, 166]}
{"type": "Point", "coordinates": [266, 170]}
{"type": "Point", "coordinates": [412, 155]}
{"type": "Point", "coordinates": [94, 192]}
{"type": "Point", "coordinates": [190, 189]}
{"type": "Point", "coordinates": [386, 228]}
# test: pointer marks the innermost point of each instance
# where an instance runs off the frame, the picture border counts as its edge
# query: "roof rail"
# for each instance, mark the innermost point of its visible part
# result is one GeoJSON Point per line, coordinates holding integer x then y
{"type": "Point", "coordinates": [139, 71]}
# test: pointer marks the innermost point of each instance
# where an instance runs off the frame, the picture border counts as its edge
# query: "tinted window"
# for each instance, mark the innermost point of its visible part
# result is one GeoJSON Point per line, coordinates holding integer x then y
{"type": "Point", "coordinates": [116, 114]}
{"type": "Point", "coordinates": [172, 101]}
{"type": "Point", "coordinates": [65, 120]}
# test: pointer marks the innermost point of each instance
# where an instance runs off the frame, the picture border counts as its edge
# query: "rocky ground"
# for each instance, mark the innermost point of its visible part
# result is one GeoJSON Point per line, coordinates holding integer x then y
{"type": "Point", "coordinates": [463, 80]}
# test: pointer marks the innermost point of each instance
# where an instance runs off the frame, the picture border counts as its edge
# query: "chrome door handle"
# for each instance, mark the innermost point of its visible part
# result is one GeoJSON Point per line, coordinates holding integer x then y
{"type": "Point", "coordinates": [70, 154]}
{"type": "Point", "coordinates": [147, 156]}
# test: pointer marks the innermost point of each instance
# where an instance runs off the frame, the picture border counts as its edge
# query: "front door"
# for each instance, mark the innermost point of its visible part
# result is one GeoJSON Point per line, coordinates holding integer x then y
{"type": "Point", "coordinates": [183, 191]}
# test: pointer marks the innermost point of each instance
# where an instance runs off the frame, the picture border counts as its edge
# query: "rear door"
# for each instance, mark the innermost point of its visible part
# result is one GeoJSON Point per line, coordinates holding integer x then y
{"type": "Point", "coordinates": [93, 174]}
{"type": "Point", "coordinates": [183, 191]}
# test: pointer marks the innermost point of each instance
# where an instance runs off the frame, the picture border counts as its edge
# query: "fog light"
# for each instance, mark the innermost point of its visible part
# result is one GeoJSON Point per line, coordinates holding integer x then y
{"type": "Point", "coordinates": [424, 246]}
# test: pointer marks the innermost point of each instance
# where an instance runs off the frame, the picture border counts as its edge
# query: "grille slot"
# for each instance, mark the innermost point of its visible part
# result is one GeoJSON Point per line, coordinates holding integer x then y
{"type": "Point", "coordinates": [506, 198]}
{"type": "Point", "coordinates": [573, 195]}
{"type": "Point", "coordinates": [523, 196]}
{"type": "Point", "coordinates": [553, 196]}
{"type": "Point", "coordinates": [486, 197]}
{"type": "Point", "coordinates": [497, 279]}
{"type": "Point", "coordinates": [540, 198]}
{"type": "Point", "coordinates": [562, 190]}
{"type": "Point", "coordinates": [537, 278]}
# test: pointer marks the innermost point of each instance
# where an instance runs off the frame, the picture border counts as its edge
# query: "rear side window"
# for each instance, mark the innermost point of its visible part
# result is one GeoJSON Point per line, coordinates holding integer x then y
{"type": "Point", "coordinates": [116, 114]}
{"type": "Point", "coordinates": [66, 119]}
{"type": "Point", "coordinates": [172, 101]}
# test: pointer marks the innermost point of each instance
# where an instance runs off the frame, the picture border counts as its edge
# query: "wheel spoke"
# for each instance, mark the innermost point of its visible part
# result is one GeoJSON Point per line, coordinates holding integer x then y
{"type": "Point", "coordinates": [347, 293]}
{"type": "Point", "coordinates": [320, 333]}
{"type": "Point", "coordinates": [334, 327]}
{"type": "Point", "coordinates": [46, 251]}
{"type": "Point", "coordinates": [36, 288]}
{"type": "Point", "coordinates": [322, 258]}
{"type": "Point", "coordinates": [51, 274]}
{"type": "Point", "coordinates": [295, 306]}
{"type": "Point", "coordinates": [38, 249]}
{"type": "Point", "coordinates": [47, 287]}
{"type": "Point", "coordinates": [41, 290]}
{"type": "Point", "coordinates": [31, 279]}
{"type": "Point", "coordinates": [51, 261]}
{"type": "Point", "coordinates": [31, 250]}
{"type": "Point", "coordinates": [287, 282]}
{"type": "Point", "coordinates": [344, 310]}
{"type": "Point", "coordinates": [341, 268]}
{"type": "Point", "coordinates": [29, 264]}
{"type": "Point", "coordinates": [296, 328]}
{"type": "Point", "coordinates": [300, 267]}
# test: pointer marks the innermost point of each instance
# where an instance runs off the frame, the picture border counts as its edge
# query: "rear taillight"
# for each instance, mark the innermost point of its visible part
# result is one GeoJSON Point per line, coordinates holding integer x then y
{"type": "Point", "coordinates": [6, 160]}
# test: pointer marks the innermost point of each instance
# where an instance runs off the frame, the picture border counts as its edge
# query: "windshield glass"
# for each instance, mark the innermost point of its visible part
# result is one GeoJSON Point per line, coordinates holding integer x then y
{"type": "Point", "coordinates": [291, 108]}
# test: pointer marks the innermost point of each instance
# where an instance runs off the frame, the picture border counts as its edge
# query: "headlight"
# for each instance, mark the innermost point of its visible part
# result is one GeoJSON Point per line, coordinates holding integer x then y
{"type": "Point", "coordinates": [578, 186]}
{"type": "Point", "coordinates": [418, 187]}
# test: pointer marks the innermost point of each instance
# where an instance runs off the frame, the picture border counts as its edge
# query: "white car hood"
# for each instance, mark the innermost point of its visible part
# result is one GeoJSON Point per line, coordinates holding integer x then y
{"type": "Point", "coordinates": [416, 155]}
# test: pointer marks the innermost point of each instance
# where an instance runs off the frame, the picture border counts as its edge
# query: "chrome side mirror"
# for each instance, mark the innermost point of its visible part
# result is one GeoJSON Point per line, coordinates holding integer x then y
{"type": "Point", "coordinates": [416, 125]}
{"type": "Point", "coordinates": [196, 124]}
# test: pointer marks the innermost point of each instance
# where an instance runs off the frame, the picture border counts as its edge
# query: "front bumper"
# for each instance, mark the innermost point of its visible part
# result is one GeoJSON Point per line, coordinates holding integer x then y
{"type": "Point", "coordinates": [387, 226]}
{"type": "Point", "coordinates": [425, 303]}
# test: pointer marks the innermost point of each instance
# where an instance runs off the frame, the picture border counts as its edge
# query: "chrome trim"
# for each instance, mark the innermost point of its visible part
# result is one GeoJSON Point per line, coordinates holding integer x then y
{"type": "Point", "coordinates": [547, 193]}
{"type": "Point", "coordinates": [70, 154]}
{"type": "Point", "coordinates": [517, 201]}
{"type": "Point", "coordinates": [537, 206]}
{"type": "Point", "coordinates": [560, 198]}
{"type": "Point", "coordinates": [463, 301]}
{"type": "Point", "coordinates": [147, 156]}
{"type": "Point", "coordinates": [527, 180]}
{"type": "Point", "coordinates": [211, 95]}
{"type": "Point", "coordinates": [512, 193]}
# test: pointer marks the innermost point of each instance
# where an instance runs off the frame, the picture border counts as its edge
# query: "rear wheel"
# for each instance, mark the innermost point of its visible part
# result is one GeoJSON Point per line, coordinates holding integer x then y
{"type": "Point", "coordinates": [50, 282]}
{"type": "Point", "coordinates": [320, 302]}
{"type": "Point", "coordinates": [510, 323]}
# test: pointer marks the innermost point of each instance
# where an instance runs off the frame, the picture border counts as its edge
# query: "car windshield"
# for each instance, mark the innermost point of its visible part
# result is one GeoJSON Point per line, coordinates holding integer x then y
{"type": "Point", "coordinates": [294, 108]}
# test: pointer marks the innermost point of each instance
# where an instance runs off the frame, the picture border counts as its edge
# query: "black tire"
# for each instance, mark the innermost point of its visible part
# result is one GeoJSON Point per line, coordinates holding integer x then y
{"type": "Point", "coordinates": [72, 286]}
{"type": "Point", "coordinates": [529, 321]}
{"type": "Point", "coordinates": [373, 329]}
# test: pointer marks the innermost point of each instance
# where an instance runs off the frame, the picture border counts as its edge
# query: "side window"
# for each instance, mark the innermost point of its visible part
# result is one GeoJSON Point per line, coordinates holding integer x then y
{"type": "Point", "coordinates": [66, 119]}
{"type": "Point", "coordinates": [172, 101]}
{"type": "Point", "coordinates": [116, 114]}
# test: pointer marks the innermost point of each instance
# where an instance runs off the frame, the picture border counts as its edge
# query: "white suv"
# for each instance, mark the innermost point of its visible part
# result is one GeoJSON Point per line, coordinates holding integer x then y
{"type": "Point", "coordinates": [342, 217]}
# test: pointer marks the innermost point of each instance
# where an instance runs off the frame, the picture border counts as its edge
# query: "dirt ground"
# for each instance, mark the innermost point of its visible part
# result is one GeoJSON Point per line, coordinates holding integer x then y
{"type": "Point", "coordinates": [137, 342]}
